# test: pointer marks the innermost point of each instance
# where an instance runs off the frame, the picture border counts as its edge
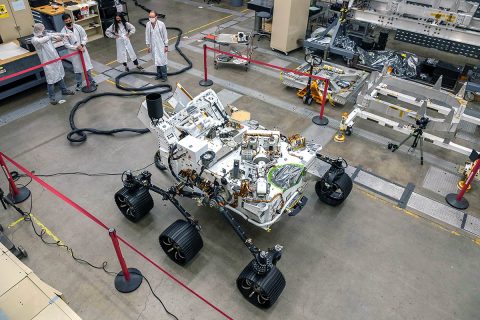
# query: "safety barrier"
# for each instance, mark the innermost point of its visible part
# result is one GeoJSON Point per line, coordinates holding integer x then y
{"type": "Point", "coordinates": [16, 74]}
{"type": "Point", "coordinates": [457, 200]}
{"type": "Point", "coordinates": [319, 120]}
{"type": "Point", "coordinates": [114, 237]}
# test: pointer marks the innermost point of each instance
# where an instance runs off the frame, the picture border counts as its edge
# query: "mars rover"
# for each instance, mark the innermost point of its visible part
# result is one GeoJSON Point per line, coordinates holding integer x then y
{"type": "Point", "coordinates": [231, 163]}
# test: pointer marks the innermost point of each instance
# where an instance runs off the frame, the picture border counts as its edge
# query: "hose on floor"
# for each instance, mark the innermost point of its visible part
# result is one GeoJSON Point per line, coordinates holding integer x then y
{"type": "Point", "coordinates": [79, 135]}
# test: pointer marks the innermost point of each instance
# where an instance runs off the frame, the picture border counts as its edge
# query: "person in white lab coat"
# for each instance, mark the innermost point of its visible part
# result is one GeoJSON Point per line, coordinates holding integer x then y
{"type": "Point", "coordinates": [157, 43]}
{"type": "Point", "coordinates": [46, 52]}
{"type": "Point", "coordinates": [121, 30]}
{"type": "Point", "coordinates": [77, 40]}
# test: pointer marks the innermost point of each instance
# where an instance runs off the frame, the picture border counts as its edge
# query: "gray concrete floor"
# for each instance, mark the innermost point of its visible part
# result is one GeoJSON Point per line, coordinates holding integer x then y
{"type": "Point", "coordinates": [363, 260]}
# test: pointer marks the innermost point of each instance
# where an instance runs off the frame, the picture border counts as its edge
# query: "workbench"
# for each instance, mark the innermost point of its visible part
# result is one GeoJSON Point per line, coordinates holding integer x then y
{"type": "Point", "coordinates": [18, 63]}
{"type": "Point", "coordinates": [51, 17]}
{"type": "Point", "coordinates": [23, 82]}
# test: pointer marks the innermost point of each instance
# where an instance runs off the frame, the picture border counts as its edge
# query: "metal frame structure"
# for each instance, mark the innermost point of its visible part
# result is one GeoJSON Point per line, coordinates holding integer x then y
{"type": "Point", "coordinates": [447, 25]}
{"type": "Point", "coordinates": [338, 75]}
{"type": "Point", "coordinates": [409, 101]}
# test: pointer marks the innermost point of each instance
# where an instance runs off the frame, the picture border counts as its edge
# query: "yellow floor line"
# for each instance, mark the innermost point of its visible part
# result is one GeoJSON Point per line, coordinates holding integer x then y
{"type": "Point", "coordinates": [190, 31]}
{"type": "Point", "coordinates": [40, 224]}
{"type": "Point", "coordinates": [47, 231]}
{"type": "Point", "coordinates": [14, 223]}
{"type": "Point", "coordinates": [201, 27]}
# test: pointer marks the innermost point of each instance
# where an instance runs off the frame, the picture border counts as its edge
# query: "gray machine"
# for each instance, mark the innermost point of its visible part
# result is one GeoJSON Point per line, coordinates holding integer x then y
{"type": "Point", "coordinates": [448, 25]}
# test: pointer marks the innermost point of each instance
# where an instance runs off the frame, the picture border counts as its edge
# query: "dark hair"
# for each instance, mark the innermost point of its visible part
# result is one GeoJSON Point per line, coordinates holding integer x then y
{"type": "Point", "coordinates": [122, 20]}
{"type": "Point", "coordinates": [65, 16]}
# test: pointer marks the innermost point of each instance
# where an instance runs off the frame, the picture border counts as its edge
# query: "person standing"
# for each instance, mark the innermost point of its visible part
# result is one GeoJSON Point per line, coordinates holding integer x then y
{"type": "Point", "coordinates": [156, 39]}
{"type": "Point", "coordinates": [121, 30]}
{"type": "Point", "coordinates": [46, 52]}
{"type": "Point", "coordinates": [77, 40]}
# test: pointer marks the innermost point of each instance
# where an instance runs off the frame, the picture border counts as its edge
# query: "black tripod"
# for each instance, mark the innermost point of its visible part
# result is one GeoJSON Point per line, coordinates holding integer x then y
{"type": "Point", "coordinates": [417, 134]}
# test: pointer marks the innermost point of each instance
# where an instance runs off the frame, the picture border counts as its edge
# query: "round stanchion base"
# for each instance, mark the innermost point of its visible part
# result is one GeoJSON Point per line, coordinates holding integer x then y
{"type": "Point", "coordinates": [124, 286]}
{"type": "Point", "coordinates": [23, 194]}
{"type": "Point", "coordinates": [205, 83]}
{"type": "Point", "coordinates": [90, 89]}
{"type": "Point", "coordinates": [452, 200]}
{"type": "Point", "coordinates": [320, 121]}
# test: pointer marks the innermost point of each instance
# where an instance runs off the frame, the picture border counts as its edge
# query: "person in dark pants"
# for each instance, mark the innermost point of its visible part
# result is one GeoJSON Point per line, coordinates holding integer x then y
{"type": "Point", "coordinates": [76, 40]}
{"type": "Point", "coordinates": [121, 30]}
{"type": "Point", "coordinates": [46, 52]}
{"type": "Point", "coordinates": [156, 38]}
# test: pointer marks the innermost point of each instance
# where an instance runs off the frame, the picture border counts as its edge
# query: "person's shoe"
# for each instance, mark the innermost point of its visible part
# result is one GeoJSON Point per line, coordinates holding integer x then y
{"type": "Point", "coordinates": [140, 68]}
{"type": "Point", "coordinates": [68, 93]}
{"type": "Point", "coordinates": [158, 77]}
{"type": "Point", "coordinates": [78, 87]}
{"type": "Point", "coordinates": [93, 83]}
{"type": "Point", "coordinates": [53, 101]}
{"type": "Point", "coordinates": [126, 69]}
{"type": "Point", "coordinates": [163, 79]}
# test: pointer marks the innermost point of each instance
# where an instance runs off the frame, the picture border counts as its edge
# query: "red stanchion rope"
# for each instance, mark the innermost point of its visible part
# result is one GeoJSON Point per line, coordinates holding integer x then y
{"type": "Point", "coordinates": [13, 75]}
{"type": "Point", "coordinates": [103, 225]}
{"type": "Point", "coordinates": [326, 81]}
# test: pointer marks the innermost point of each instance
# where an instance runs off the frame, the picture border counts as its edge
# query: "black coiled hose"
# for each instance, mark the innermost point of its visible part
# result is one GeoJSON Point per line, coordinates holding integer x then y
{"type": "Point", "coordinates": [79, 135]}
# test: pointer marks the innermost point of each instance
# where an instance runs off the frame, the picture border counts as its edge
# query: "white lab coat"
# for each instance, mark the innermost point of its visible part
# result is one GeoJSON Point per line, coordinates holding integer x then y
{"type": "Point", "coordinates": [46, 52]}
{"type": "Point", "coordinates": [157, 39]}
{"type": "Point", "coordinates": [76, 37]}
{"type": "Point", "coordinates": [124, 46]}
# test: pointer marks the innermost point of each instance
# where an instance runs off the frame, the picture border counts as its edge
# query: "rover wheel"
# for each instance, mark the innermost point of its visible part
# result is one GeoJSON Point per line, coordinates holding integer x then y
{"type": "Point", "coordinates": [181, 241]}
{"type": "Point", "coordinates": [336, 194]}
{"type": "Point", "coordinates": [261, 290]}
{"type": "Point", "coordinates": [134, 204]}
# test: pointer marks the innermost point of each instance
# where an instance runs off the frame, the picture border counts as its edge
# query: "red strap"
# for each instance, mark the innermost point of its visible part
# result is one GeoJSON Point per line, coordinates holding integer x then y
{"type": "Point", "coordinates": [39, 66]}
{"type": "Point", "coordinates": [269, 65]}
{"type": "Point", "coordinates": [100, 223]}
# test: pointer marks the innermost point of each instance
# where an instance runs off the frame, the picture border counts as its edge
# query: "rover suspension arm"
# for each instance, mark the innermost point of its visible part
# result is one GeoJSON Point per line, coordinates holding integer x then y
{"type": "Point", "coordinates": [263, 259]}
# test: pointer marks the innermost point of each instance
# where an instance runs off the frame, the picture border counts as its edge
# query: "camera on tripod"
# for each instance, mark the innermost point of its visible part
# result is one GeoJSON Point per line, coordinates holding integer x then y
{"type": "Point", "coordinates": [422, 122]}
{"type": "Point", "coordinates": [417, 136]}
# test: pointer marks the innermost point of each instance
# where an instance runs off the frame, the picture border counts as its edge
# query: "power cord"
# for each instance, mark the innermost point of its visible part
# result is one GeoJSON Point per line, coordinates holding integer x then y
{"type": "Point", "coordinates": [79, 135]}
{"type": "Point", "coordinates": [155, 295]}
{"type": "Point", "coordinates": [15, 175]}
{"type": "Point", "coordinates": [27, 216]}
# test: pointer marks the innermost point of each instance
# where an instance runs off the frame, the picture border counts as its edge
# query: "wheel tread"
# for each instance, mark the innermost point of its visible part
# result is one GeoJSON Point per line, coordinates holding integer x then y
{"type": "Point", "coordinates": [139, 198]}
{"type": "Point", "coordinates": [344, 182]}
{"type": "Point", "coordinates": [272, 283]}
{"type": "Point", "coordinates": [186, 236]}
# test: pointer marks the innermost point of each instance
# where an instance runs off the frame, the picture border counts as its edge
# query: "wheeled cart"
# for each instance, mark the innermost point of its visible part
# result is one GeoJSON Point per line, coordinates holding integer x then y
{"type": "Point", "coordinates": [240, 44]}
